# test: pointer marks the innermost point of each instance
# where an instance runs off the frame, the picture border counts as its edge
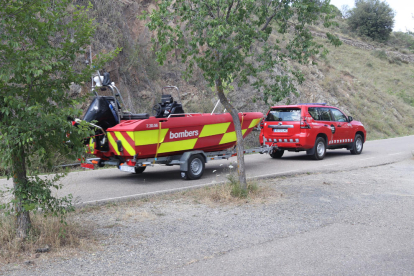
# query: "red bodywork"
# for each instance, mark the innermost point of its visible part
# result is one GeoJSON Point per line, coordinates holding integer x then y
{"type": "Point", "coordinates": [302, 132]}
{"type": "Point", "coordinates": [154, 137]}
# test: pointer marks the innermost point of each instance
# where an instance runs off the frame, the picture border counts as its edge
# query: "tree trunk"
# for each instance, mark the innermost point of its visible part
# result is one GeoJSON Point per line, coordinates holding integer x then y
{"type": "Point", "coordinates": [20, 184]}
{"type": "Point", "coordinates": [238, 128]}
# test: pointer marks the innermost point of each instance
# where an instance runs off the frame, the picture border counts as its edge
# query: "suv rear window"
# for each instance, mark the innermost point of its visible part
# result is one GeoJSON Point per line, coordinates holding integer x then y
{"type": "Point", "coordinates": [283, 114]}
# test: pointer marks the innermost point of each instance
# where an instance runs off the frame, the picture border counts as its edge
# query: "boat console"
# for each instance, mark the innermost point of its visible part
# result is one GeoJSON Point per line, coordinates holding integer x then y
{"type": "Point", "coordinates": [167, 107]}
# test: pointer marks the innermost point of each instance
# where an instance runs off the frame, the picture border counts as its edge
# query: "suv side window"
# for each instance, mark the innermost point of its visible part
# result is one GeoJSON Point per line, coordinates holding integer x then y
{"type": "Point", "coordinates": [338, 115]}
{"type": "Point", "coordinates": [313, 111]}
{"type": "Point", "coordinates": [324, 114]}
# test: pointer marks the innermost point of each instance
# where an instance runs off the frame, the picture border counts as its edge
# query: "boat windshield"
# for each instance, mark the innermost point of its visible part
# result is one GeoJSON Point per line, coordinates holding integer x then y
{"type": "Point", "coordinates": [283, 114]}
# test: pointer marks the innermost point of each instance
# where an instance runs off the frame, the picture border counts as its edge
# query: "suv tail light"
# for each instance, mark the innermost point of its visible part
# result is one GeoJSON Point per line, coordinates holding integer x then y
{"type": "Point", "coordinates": [304, 123]}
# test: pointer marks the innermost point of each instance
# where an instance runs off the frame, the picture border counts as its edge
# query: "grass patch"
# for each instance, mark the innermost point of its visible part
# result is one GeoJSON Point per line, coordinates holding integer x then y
{"type": "Point", "coordinates": [46, 232]}
{"type": "Point", "coordinates": [238, 192]}
{"type": "Point", "coordinates": [229, 193]}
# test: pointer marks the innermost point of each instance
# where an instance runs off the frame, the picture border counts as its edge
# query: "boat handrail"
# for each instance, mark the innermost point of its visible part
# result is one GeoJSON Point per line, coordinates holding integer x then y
{"type": "Point", "coordinates": [180, 114]}
{"type": "Point", "coordinates": [215, 107]}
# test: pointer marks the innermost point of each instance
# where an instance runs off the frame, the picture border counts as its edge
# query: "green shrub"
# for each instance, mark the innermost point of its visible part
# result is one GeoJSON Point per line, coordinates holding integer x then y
{"type": "Point", "coordinates": [237, 191]}
{"type": "Point", "coordinates": [381, 54]}
{"type": "Point", "coordinates": [402, 40]}
{"type": "Point", "coordinates": [372, 18]}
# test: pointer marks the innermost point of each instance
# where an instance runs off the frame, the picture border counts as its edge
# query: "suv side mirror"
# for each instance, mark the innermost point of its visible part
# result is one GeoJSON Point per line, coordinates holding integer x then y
{"type": "Point", "coordinates": [350, 118]}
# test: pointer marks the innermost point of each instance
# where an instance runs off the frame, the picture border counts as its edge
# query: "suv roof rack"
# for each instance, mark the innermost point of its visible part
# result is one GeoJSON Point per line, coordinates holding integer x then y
{"type": "Point", "coordinates": [311, 104]}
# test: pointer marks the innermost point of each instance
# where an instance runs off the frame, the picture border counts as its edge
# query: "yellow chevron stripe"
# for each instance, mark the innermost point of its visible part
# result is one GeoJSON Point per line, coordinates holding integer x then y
{"type": "Point", "coordinates": [230, 137]}
{"type": "Point", "coordinates": [113, 143]}
{"type": "Point", "coordinates": [214, 129]}
{"type": "Point", "coordinates": [91, 147]}
{"type": "Point", "coordinates": [177, 145]}
{"type": "Point", "coordinates": [130, 150]}
{"type": "Point", "coordinates": [149, 137]}
{"type": "Point", "coordinates": [254, 122]}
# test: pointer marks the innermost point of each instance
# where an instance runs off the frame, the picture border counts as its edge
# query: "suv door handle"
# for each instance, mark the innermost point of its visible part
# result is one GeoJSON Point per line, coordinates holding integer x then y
{"type": "Point", "coordinates": [326, 125]}
{"type": "Point", "coordinates": [339, 125]}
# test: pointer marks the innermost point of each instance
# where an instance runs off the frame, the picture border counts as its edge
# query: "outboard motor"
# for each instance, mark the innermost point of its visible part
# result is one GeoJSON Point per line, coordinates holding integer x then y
{"type": "Point", "coordinates": [102, 113]}
{"type": "Point", "coordinates": [102, 110]}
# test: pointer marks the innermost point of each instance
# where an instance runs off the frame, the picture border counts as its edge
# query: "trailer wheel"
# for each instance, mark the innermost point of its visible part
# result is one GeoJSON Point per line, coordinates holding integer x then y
{"type": "Point", "coordinates": [139, 170]}
{"type": "Point", "coordinates": [195, 168]}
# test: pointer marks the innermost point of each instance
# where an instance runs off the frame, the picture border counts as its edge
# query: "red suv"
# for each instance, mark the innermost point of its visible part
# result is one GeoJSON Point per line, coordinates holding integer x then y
{"type": "Point", "coordinates": [311, 127]}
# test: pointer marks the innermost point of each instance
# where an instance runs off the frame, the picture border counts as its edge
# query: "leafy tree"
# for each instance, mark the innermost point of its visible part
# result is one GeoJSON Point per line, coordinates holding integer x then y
{"type": "Point", "coordinates": [230, 41]}
{"type": "Point", "coordinates": [39, 43]}
{"type": "Point", "coordinates": [372, 18]}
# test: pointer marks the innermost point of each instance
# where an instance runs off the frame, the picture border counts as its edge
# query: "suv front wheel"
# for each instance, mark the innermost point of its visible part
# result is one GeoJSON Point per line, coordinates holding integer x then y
{"type": "Point", "coordinates": [320, 149]}
{"type": "Point", "coordinates": [358, 144]}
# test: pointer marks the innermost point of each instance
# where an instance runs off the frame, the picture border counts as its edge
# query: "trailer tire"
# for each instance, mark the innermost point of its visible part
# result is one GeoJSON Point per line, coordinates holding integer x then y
{"type": "Point", "coordinates": [139, 170]}
{"type": "Point", "coordinates": [195, 167]}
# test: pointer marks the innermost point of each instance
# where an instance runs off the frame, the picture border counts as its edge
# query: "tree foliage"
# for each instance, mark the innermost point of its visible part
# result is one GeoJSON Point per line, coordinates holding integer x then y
{"type": "Point", "coordinates": [241, 41]}
{"type": "Point", "coordinates": [372, 18]}
{"type": "Point", "coordinates": [230, 39]}
{"type": "Point", "coordinates": [40, 41]}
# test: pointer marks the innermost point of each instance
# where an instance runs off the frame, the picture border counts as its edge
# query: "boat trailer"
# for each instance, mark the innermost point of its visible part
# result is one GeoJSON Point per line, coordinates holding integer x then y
{"type": "Point", "coordinates": [192, 163]}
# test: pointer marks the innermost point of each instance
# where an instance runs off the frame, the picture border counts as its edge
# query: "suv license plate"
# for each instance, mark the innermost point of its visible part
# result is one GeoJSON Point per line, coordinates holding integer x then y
{"type": "Point", "coordinates": [127, 169]}
{"type": "Point", "coordinates": [280, 130]}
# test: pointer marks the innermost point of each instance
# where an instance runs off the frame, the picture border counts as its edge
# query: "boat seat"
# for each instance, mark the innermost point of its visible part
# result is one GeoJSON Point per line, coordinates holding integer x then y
{"type": "Point", "coordinates": [177, 109]}
{"type": "Point", "coordinates": [166, 99]}
{"type": "Point", "coordinates": [140, 116]}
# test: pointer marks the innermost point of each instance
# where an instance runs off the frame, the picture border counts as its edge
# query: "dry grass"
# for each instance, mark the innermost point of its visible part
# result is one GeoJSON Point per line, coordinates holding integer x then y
{"type": "Point", "coordinates": [46, 232]}
{"type": "Point", "coordinates": [78, 235]}
{"type": "Point", "coordinates": [228, 193]}
{"type": "Point", "coordinates": [372, 89]}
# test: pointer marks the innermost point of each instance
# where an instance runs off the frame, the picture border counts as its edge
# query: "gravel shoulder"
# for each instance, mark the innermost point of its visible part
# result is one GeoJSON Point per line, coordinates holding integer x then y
{"type": "Point", "coordinates": [348, 223]}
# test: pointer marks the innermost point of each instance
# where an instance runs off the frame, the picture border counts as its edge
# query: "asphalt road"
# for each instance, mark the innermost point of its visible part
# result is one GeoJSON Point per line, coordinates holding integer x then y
{"type": "Point", "coordinates": [351, 215]}
{"type": "Point", "coordinates": [105, 185]}
{"type": "Point", "coordinates": [113, 184]}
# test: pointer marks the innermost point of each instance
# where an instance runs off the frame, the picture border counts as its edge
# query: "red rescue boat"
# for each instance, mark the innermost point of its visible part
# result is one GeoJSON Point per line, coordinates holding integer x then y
{"type": "Point", "coordinates": [124, 136]}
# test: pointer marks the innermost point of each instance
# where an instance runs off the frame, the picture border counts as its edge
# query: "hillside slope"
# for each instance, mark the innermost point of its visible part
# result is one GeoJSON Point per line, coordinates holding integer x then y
{"type": "Point", "coordinates": [373, 83]}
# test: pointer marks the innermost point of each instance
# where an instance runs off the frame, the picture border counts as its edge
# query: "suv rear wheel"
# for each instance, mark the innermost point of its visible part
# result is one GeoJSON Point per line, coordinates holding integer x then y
{"type": "Point", "coordinates": [277, 153]}
{"type": "Point", "coordinates": [320, 149]}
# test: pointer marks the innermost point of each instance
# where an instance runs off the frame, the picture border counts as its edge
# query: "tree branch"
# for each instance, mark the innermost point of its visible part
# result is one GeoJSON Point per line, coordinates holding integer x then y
{"type": "Point", "coordinates": [209, 10]}
{"type": "Point", "coordinates": [271, 17]}
{"type": "Point", "coordinates": [229, 10]}
{"type": "Point", "coordinates": [237, 7]}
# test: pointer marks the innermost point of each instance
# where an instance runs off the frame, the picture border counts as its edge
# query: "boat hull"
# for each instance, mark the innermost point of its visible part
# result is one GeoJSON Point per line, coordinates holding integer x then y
{"type": "Point", "coordinates": [157, 137]}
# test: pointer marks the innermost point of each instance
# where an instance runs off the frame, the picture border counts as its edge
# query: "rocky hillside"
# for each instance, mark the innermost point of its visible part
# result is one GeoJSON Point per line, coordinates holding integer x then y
{"type": "Point", "coordinates": [371, 82]}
